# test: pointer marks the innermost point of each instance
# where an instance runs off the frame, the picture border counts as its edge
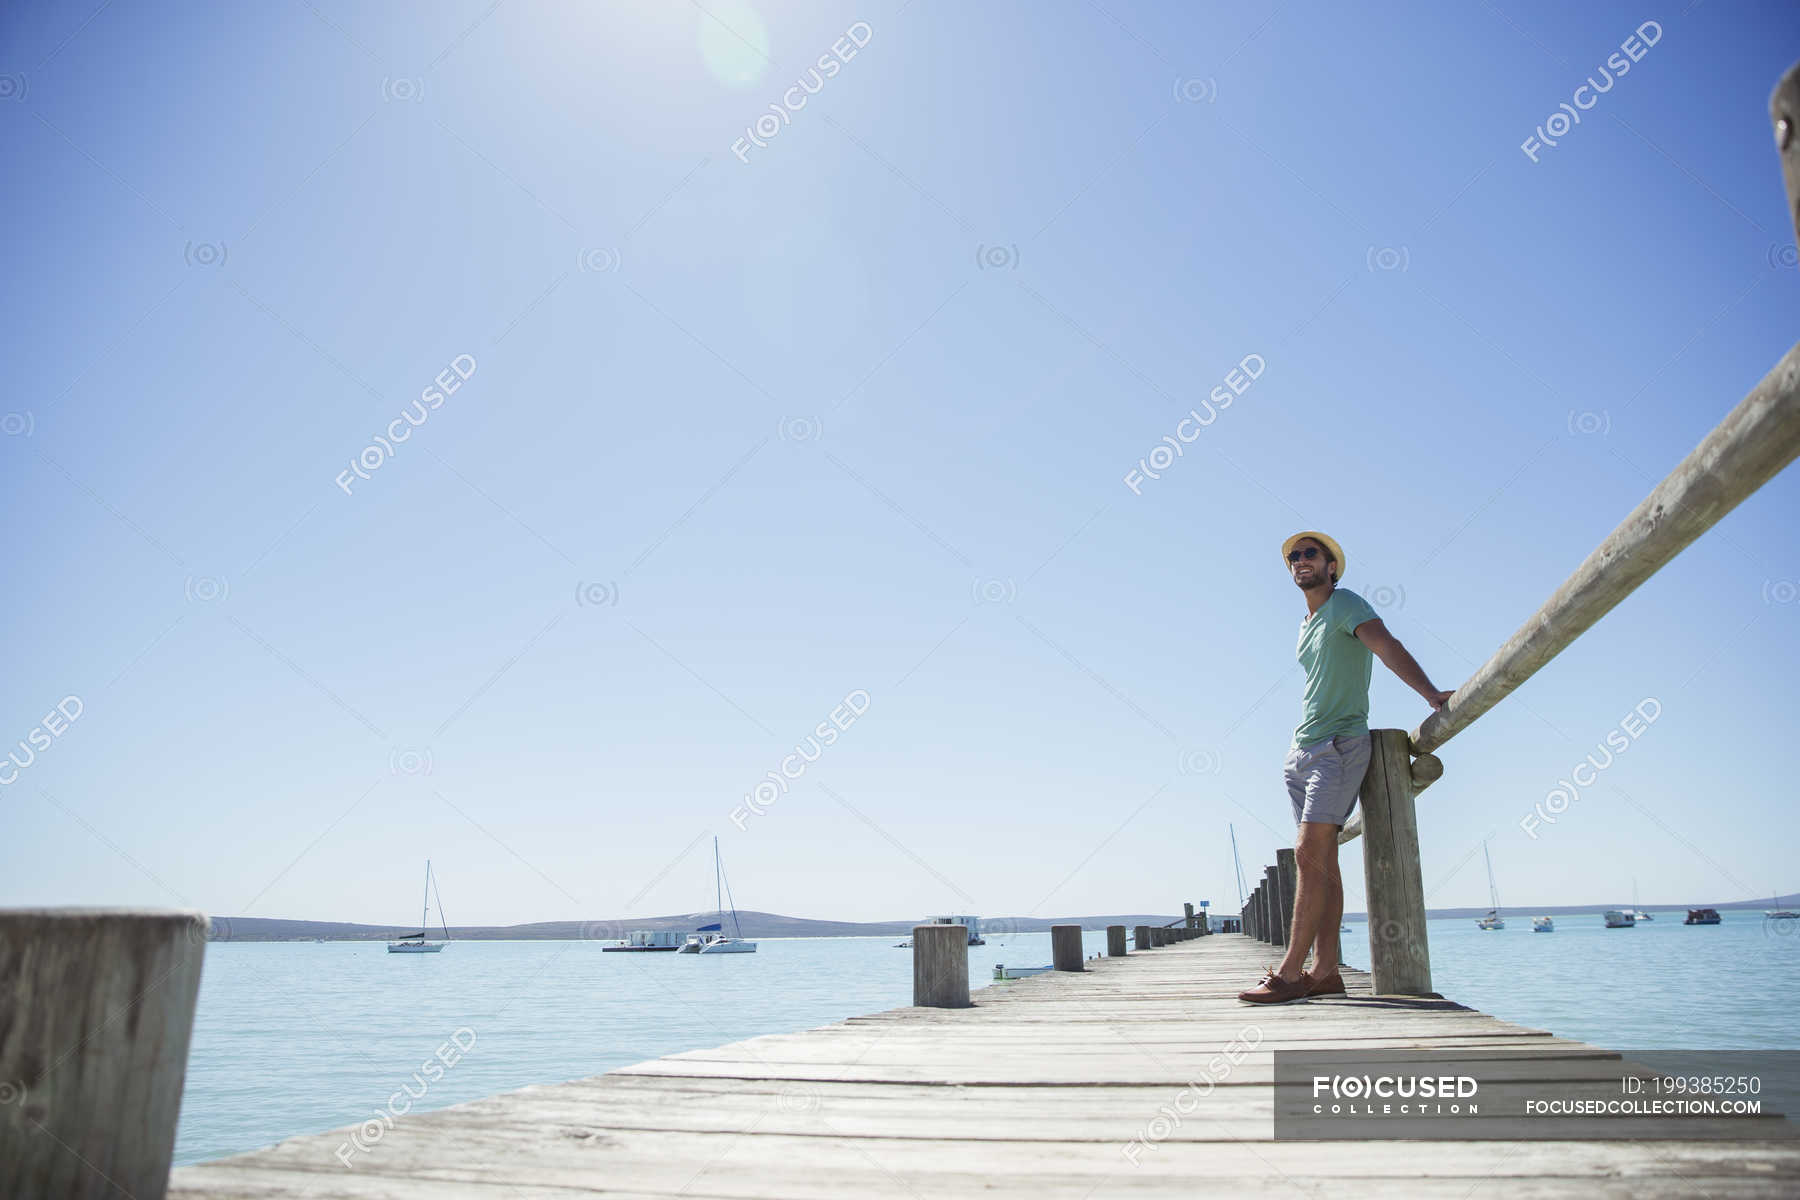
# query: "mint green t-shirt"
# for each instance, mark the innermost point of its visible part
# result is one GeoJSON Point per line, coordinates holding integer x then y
{"type": "Point", "coordinates": [1337, 667]}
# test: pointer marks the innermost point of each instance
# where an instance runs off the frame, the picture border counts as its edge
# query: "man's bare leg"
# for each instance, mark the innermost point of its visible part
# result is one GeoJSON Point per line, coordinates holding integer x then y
{"type": "Point", "coordinates": [1325, 942]}
{"type": "Point", "coordinates": [1318, 892]}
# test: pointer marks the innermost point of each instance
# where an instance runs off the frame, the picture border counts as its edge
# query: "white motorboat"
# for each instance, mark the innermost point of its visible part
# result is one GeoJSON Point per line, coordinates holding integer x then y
{"type": "Point", "coordinates": [1002, 971]}
{"type": "Point", "coordinates": [1620, 918]}
{"type": "Point", "coordinates": [711, 939]}
{"type": "Point", "coordinates": [416, 943]}
{"type": "Point", "coordinates": [1493, 920]}
{"type": "Point", "coordinates": [1542, 925]}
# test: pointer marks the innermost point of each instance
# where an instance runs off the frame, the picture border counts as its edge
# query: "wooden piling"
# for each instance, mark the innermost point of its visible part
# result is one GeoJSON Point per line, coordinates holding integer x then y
{"type": "Point", "coordinates": [96, 1010]}
{"type": "Point", "coordinates": [1399, 956]}
{"type": "Point", "coordinates": [1115, 941]}
{"type": "Point", "coordinates": [1140, 938]}
{"type": "Point", "coordinates": [1188, 908]}
{"type": "Point", "coordinates": [1065, 948]}
{"type": "Point", "coordinates": [940, 966]}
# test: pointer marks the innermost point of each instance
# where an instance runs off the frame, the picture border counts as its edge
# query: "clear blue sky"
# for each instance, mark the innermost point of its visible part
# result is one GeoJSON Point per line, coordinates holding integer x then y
{"type": "Point", "coordinates": [856, 411]}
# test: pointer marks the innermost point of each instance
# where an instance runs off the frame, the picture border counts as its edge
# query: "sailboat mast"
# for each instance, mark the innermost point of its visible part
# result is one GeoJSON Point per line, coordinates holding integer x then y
{"type": "Point", "coordinates": [1493, 892]}
{"type": "Point", "coordinates": [718, 898]}
{"type": "Point", "coordinates": [1236, 865]}
{"type": "Point", "coordinates": [425, 905]}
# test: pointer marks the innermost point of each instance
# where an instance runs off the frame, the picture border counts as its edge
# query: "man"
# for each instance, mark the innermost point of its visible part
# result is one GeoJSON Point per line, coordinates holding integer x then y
{"type": "Point", "coordinates": [1339, 637]}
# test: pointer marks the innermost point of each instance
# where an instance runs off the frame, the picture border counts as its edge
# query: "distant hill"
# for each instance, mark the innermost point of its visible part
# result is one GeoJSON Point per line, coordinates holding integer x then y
{"type": "Point", "coordinates": [755, 925]}
{"type": "Point", "coordinates": [1792, 900]}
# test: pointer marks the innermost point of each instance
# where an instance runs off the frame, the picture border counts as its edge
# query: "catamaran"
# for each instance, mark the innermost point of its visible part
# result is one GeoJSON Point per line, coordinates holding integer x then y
{"type": "Point", "coordinates": [1493, 920]}
{"type": "Point", "coordinates": [415, 943]}
{"type": "Point", "coordinates": [711, 939]}
{"type": "Point", "coordinates": [1780, 914]}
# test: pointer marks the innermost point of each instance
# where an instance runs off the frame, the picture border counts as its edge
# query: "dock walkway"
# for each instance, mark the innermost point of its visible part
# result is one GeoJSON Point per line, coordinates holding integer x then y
{"type": "Point", "coordinates": [1061, 1085]}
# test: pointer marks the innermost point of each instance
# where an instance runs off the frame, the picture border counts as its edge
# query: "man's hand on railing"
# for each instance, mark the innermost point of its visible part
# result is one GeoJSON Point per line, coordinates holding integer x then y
{"type": "Point", "coordinates": [1438, 699]}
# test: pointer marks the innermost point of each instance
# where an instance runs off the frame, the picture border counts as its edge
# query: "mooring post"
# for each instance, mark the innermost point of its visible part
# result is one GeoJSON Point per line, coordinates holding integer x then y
{"type": "Point", "coordinates": [1399, 955]}
{"type": "Point", "coordinates": [1065, 947]}
{"type": "Point", "coordinates": [1140, 937]}
{"type": "Point", "coordinates": [1115, 941]}
{"type": "Point", "coordinates": [1272, 881]}
{"type": "Point", "coordinates": [1284, 871]}
{"type": "Point", "coordinates": [1256, 929]}
{"type": "Point", "coordinates": [940, 966]}
{"type": "Point", "coordinates": [1188, 907]}
{"type": "Point", "coordinates": [98, 1009]}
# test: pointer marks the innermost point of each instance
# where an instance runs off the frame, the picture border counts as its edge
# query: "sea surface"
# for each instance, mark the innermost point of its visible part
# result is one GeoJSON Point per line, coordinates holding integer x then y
{"type": "Point", "coordinates": [301, 1037]}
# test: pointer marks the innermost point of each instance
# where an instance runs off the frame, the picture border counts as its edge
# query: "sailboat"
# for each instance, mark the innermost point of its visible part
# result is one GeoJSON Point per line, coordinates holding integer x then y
{"type": "Point", "coordinates": [711, 939]}
{"type": "Point", "coordinates": [415, 943]}
{"type": "Point", "coordinates": [1778, 913]}
{"type": "Point", "coordinates": [1638, 915]}
{"type": "Point", "coordinates": [1493, 920]}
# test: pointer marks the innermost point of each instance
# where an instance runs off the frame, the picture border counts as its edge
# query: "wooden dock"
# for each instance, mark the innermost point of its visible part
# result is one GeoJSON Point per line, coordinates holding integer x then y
{"type": "Point", "coordinates": [1064, 1084]}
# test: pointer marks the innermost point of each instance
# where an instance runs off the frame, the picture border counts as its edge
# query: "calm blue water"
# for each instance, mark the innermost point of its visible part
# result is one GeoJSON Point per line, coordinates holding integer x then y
{"type": "Point", "coordinates": [301, 1037]}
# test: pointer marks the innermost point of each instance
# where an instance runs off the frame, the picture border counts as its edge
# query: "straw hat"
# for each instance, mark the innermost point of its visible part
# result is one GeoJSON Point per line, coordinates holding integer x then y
{"type": "Point", "coordinates": [1330, 544]}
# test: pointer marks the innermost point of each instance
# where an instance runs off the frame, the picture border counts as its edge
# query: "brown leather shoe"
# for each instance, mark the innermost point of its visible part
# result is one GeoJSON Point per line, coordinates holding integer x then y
{"type": "Point", "coordinates": [1330, 985]}
{"type": "Point", "coordinates": [1275, 990]}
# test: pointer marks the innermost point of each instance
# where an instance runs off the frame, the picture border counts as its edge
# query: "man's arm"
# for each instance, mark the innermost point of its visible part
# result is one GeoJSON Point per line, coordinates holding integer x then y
{"type": "Point", "coordinates": [1385, 646]}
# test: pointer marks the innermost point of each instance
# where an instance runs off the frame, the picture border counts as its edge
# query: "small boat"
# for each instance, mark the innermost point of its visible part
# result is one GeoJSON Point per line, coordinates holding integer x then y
{"type": "Point", "coordinates": [906, 945]}
{"type": "Point", "coordinates": [973, 924]}
{"type": "Point", "coordinates": [1004, 972]}
{"type": "Point", "coordinates": [415, 943]}
{"type": "Point", "coordinates": [1493, 920]}
{"type": "Point", "coordinates": [711, 939]}
{"type": "Point", "coordinates": [647, 940]}
{"type": "Point", "coordinates": [1637, 914]}
{"type": "Point", "coordinates": [1780, 914]}
{"type": "Point", "coordinates": [1702, 916]}
{"type": "Point", "coordinates": [1620, 918]}
{"type": "Point", "coordinates": [1542, 925]}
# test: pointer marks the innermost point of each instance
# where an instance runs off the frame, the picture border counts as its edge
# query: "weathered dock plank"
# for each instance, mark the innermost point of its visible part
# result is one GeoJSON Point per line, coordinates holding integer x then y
{"type": "Point", "coordinates": [1035, 1092]}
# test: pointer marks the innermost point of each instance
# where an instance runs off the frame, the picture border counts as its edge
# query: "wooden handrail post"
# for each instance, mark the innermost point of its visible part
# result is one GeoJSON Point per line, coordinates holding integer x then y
{"type": "Point", "coordinates": [1115, 941]}
{"type": "Point", "coordinates": [1272, 886]}
{"type": "Point", "coordinates": [1784, 111]}
{"type": "Point", "coordinates": [1284, 871]}
{"type": "Point", "coordinates": [98, 1010]}
{"type": "Point", "coordinates": [940, 966]}
{"type": "Point", "coordinates": [1065, 948]}
{"type": "Point", "coordinates": [1399, 955]}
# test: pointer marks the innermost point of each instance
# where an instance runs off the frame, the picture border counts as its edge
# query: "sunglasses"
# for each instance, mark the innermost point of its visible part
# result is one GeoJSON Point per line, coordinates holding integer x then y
{"type": "Point", "coordinates": [1309, 553]}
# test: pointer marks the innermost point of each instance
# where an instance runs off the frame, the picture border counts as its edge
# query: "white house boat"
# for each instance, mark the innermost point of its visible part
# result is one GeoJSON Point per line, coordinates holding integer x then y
{"type": "Point", "coordinates": [1617, 918]}
{"type": "Point", "coordinates": [973, 924]}
{"type": "Point", "coordinates": [649, 939]}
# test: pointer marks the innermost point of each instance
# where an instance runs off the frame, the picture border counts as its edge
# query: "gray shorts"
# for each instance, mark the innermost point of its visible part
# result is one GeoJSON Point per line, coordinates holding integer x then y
{"type": "Point", "coordinates": [1323, 778]}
